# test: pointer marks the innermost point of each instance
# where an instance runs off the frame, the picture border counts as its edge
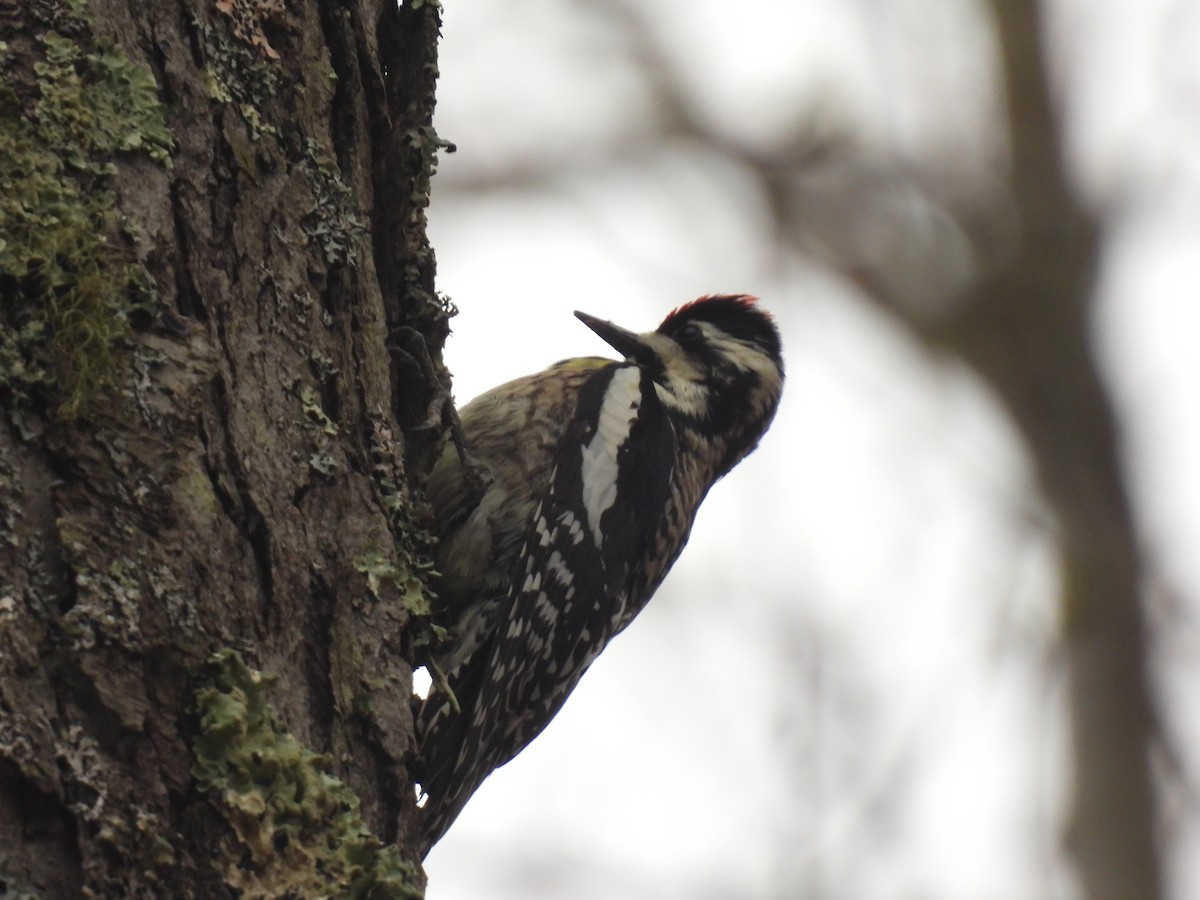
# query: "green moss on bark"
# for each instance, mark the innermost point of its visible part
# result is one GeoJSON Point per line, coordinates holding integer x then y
{"type": "Point", "coordinates": [299, 828]}
{"type": "Point", "coordinates": [67, 283]}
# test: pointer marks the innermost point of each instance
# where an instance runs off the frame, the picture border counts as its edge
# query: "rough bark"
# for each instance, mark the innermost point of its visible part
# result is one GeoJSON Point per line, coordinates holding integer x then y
{"type": "Point", "coordinates": [207, 451]}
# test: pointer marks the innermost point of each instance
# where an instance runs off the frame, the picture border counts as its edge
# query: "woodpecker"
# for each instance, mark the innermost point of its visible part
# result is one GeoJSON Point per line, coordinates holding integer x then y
{"type": "Point", "coordinates": [574, 495]}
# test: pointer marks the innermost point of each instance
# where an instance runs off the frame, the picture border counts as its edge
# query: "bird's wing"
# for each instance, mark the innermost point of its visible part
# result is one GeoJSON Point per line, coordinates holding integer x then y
{"type": "Point", "coordinates": [571, 586]}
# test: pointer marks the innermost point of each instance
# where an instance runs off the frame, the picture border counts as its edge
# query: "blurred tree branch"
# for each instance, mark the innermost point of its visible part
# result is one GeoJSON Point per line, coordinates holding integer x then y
{"type": "Point", "coordinates": [1026, 330]}
{"type": "Point", "coordinates": [1000, 275]}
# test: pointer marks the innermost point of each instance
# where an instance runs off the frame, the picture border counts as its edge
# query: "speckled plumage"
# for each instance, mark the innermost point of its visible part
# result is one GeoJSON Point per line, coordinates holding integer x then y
{"type": "Point", "coordinates": [596, 468]}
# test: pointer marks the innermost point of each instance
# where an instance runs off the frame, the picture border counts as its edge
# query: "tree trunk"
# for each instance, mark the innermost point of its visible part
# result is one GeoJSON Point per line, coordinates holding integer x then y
{"type": "Point", "coordinates": [211, 228]}
{"type": "Point", "coordinates": [1027, 331]}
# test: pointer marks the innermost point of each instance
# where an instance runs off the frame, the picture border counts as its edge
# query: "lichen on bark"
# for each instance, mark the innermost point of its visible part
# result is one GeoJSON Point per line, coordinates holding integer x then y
{"type": "Point", "coordinates": [298, 825]}
{"type": "Point", "coordinates": [68, 282]}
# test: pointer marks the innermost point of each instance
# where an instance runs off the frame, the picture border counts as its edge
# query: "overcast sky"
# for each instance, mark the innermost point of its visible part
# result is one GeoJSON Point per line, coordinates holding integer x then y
{"type": "Point", "coordinates": [847, 687]}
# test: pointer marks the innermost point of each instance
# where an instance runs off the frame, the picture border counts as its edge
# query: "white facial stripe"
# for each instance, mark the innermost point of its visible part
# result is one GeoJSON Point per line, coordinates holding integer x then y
{"type": "Point", "coordinates": [746, 356]}
{"type": "Point", "coordinates": [599, 469]}
{"type": "Point", "coordinates": [684, 395]}
{"type": "Point", "coordinates": [686, 390]}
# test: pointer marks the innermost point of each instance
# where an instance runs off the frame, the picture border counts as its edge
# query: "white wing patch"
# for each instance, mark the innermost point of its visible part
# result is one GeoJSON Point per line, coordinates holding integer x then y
{"type": "Point", "coordinates": [599, 469]}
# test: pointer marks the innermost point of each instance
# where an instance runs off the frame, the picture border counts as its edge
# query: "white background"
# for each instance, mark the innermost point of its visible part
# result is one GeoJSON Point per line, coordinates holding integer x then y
{"type": "Point", "coordinates": [847, 687]}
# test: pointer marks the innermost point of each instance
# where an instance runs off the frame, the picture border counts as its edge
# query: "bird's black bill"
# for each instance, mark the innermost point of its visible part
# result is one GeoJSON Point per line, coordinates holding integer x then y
{"type": "Point", "coordinates": [624, 342]}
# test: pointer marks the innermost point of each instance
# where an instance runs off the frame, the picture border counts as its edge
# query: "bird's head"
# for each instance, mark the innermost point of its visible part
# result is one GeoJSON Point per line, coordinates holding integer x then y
{"type": "Point", "coordinates": [717, 364]}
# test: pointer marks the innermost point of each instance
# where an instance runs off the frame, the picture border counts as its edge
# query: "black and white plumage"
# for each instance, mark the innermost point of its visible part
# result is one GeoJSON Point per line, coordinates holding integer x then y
{"type": "Point", "coordinates": [594, 470]}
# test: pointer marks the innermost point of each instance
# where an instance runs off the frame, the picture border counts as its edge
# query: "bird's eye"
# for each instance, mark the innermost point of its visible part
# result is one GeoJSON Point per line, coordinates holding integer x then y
{"type": "Point", "coordinates": [690, 332]}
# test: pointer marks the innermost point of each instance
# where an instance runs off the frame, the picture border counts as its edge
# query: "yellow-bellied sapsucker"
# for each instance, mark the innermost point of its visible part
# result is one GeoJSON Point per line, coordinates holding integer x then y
{"type": "Point", "coordinates": [582, 485]}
